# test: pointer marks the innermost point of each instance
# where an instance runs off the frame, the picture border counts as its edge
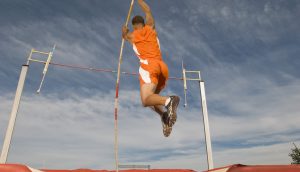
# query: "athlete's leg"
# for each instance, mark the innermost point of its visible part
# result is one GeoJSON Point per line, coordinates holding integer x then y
{"type": "Point", "coordinates": [159, 108]}
{"type": "Point", "coordinates": [149, 97]}
{"type": "Point", "coordinates": [153, 78]}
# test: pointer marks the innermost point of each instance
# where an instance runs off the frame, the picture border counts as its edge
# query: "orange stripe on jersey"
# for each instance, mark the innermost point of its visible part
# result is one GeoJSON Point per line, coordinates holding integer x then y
{"type": "Point", "coordinates": [146, 44]}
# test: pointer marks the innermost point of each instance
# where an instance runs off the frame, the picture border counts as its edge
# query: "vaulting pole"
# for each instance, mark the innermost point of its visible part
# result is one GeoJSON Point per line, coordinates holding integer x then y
{"type": "Point", "coordinates": [117, 91]}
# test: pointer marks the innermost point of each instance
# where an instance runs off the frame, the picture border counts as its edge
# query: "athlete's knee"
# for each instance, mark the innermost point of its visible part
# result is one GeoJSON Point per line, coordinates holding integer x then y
{"type": "Point", "coordinates": [144, 102]}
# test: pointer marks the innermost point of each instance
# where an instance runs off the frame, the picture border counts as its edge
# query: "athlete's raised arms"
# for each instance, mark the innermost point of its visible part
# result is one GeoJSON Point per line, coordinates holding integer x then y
{"type": "Point", "coordinates": [138, 22]}
{"type": "Point", "coordinates": [146, 9]}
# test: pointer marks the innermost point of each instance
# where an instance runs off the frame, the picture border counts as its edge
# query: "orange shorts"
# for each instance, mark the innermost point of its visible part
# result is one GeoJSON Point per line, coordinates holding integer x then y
{"type": "Point", "coordinates": [153, 71]}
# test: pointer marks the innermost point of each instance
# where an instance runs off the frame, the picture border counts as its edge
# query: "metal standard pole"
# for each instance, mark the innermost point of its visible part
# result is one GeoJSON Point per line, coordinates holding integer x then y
{"type": "Point", "coordinates": [204, 112]}
{"type": "Point", "coordinates": [13, 115]}
{"type": "Point", "coordinates": [184, 84]}
{"type": "Point", "coordinates": [206, 125]}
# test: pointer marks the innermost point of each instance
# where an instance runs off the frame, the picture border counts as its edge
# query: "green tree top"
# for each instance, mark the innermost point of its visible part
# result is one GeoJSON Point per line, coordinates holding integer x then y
{"type": "Point", "coordinates": [295, 155]}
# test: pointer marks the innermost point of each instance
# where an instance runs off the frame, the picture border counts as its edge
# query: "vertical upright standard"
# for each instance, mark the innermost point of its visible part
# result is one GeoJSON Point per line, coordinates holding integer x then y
{"type": "Point", "coordinates": [15, 108]}
{"type": "Point", "coordinates": [204, 111]}
{"type": "Point", "coordinates": [13, 115]}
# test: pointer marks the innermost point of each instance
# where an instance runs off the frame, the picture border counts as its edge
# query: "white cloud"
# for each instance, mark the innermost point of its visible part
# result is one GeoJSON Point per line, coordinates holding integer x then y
{"type": "Point", "coordinates": [269, 154]}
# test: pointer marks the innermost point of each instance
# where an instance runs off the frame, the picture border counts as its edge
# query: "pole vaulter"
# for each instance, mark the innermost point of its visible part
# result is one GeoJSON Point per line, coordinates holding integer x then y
{"type": "Point", "coordinates": [153, 71]}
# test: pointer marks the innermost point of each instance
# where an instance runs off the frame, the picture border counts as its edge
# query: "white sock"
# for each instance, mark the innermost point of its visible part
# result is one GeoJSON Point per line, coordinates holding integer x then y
{"type": "Point", "coordinates": [167, 101]}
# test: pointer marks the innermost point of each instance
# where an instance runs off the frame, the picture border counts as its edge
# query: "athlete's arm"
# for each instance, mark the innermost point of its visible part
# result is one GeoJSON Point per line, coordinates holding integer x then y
{"type": "Point", "coordinates": [146, 9]}
{"type": "Point", "coordinates": [126, 34]}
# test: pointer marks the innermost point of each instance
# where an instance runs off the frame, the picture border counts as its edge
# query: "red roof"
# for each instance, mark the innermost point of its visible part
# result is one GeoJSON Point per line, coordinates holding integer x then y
{"type": "Point", "coordinates": [258, 168]}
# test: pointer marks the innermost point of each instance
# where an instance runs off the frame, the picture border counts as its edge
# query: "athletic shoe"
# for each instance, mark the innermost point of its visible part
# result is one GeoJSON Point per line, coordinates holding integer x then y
{"type": "Point", "coordinates": [171, 109]}
{"type": "Point", "coordinates": [165, 124]}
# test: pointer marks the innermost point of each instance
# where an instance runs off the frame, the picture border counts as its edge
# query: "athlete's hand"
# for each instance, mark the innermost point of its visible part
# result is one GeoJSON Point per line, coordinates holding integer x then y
{"type": "Point", "coordinates": [125, 29]}
{"type": "Point", "coordinates": [125, 33]}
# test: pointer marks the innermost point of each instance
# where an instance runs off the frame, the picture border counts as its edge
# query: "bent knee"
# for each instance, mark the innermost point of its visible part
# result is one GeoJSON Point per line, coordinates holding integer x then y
{"type": "Point", "coordinates": [144, 103]}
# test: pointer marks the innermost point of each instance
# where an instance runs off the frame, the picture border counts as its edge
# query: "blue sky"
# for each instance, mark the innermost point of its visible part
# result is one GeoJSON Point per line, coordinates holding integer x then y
{"type": "Point", "coordinates": [247, 52]}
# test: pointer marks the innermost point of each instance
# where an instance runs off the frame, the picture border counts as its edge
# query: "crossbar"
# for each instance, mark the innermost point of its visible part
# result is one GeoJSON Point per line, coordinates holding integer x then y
{"type": "Point", "coordinates": [40, 52]}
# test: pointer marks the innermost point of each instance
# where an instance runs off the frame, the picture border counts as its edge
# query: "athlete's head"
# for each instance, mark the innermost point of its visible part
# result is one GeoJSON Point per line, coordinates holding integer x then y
{"type": "Point", "coordinates": [138, 22]}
